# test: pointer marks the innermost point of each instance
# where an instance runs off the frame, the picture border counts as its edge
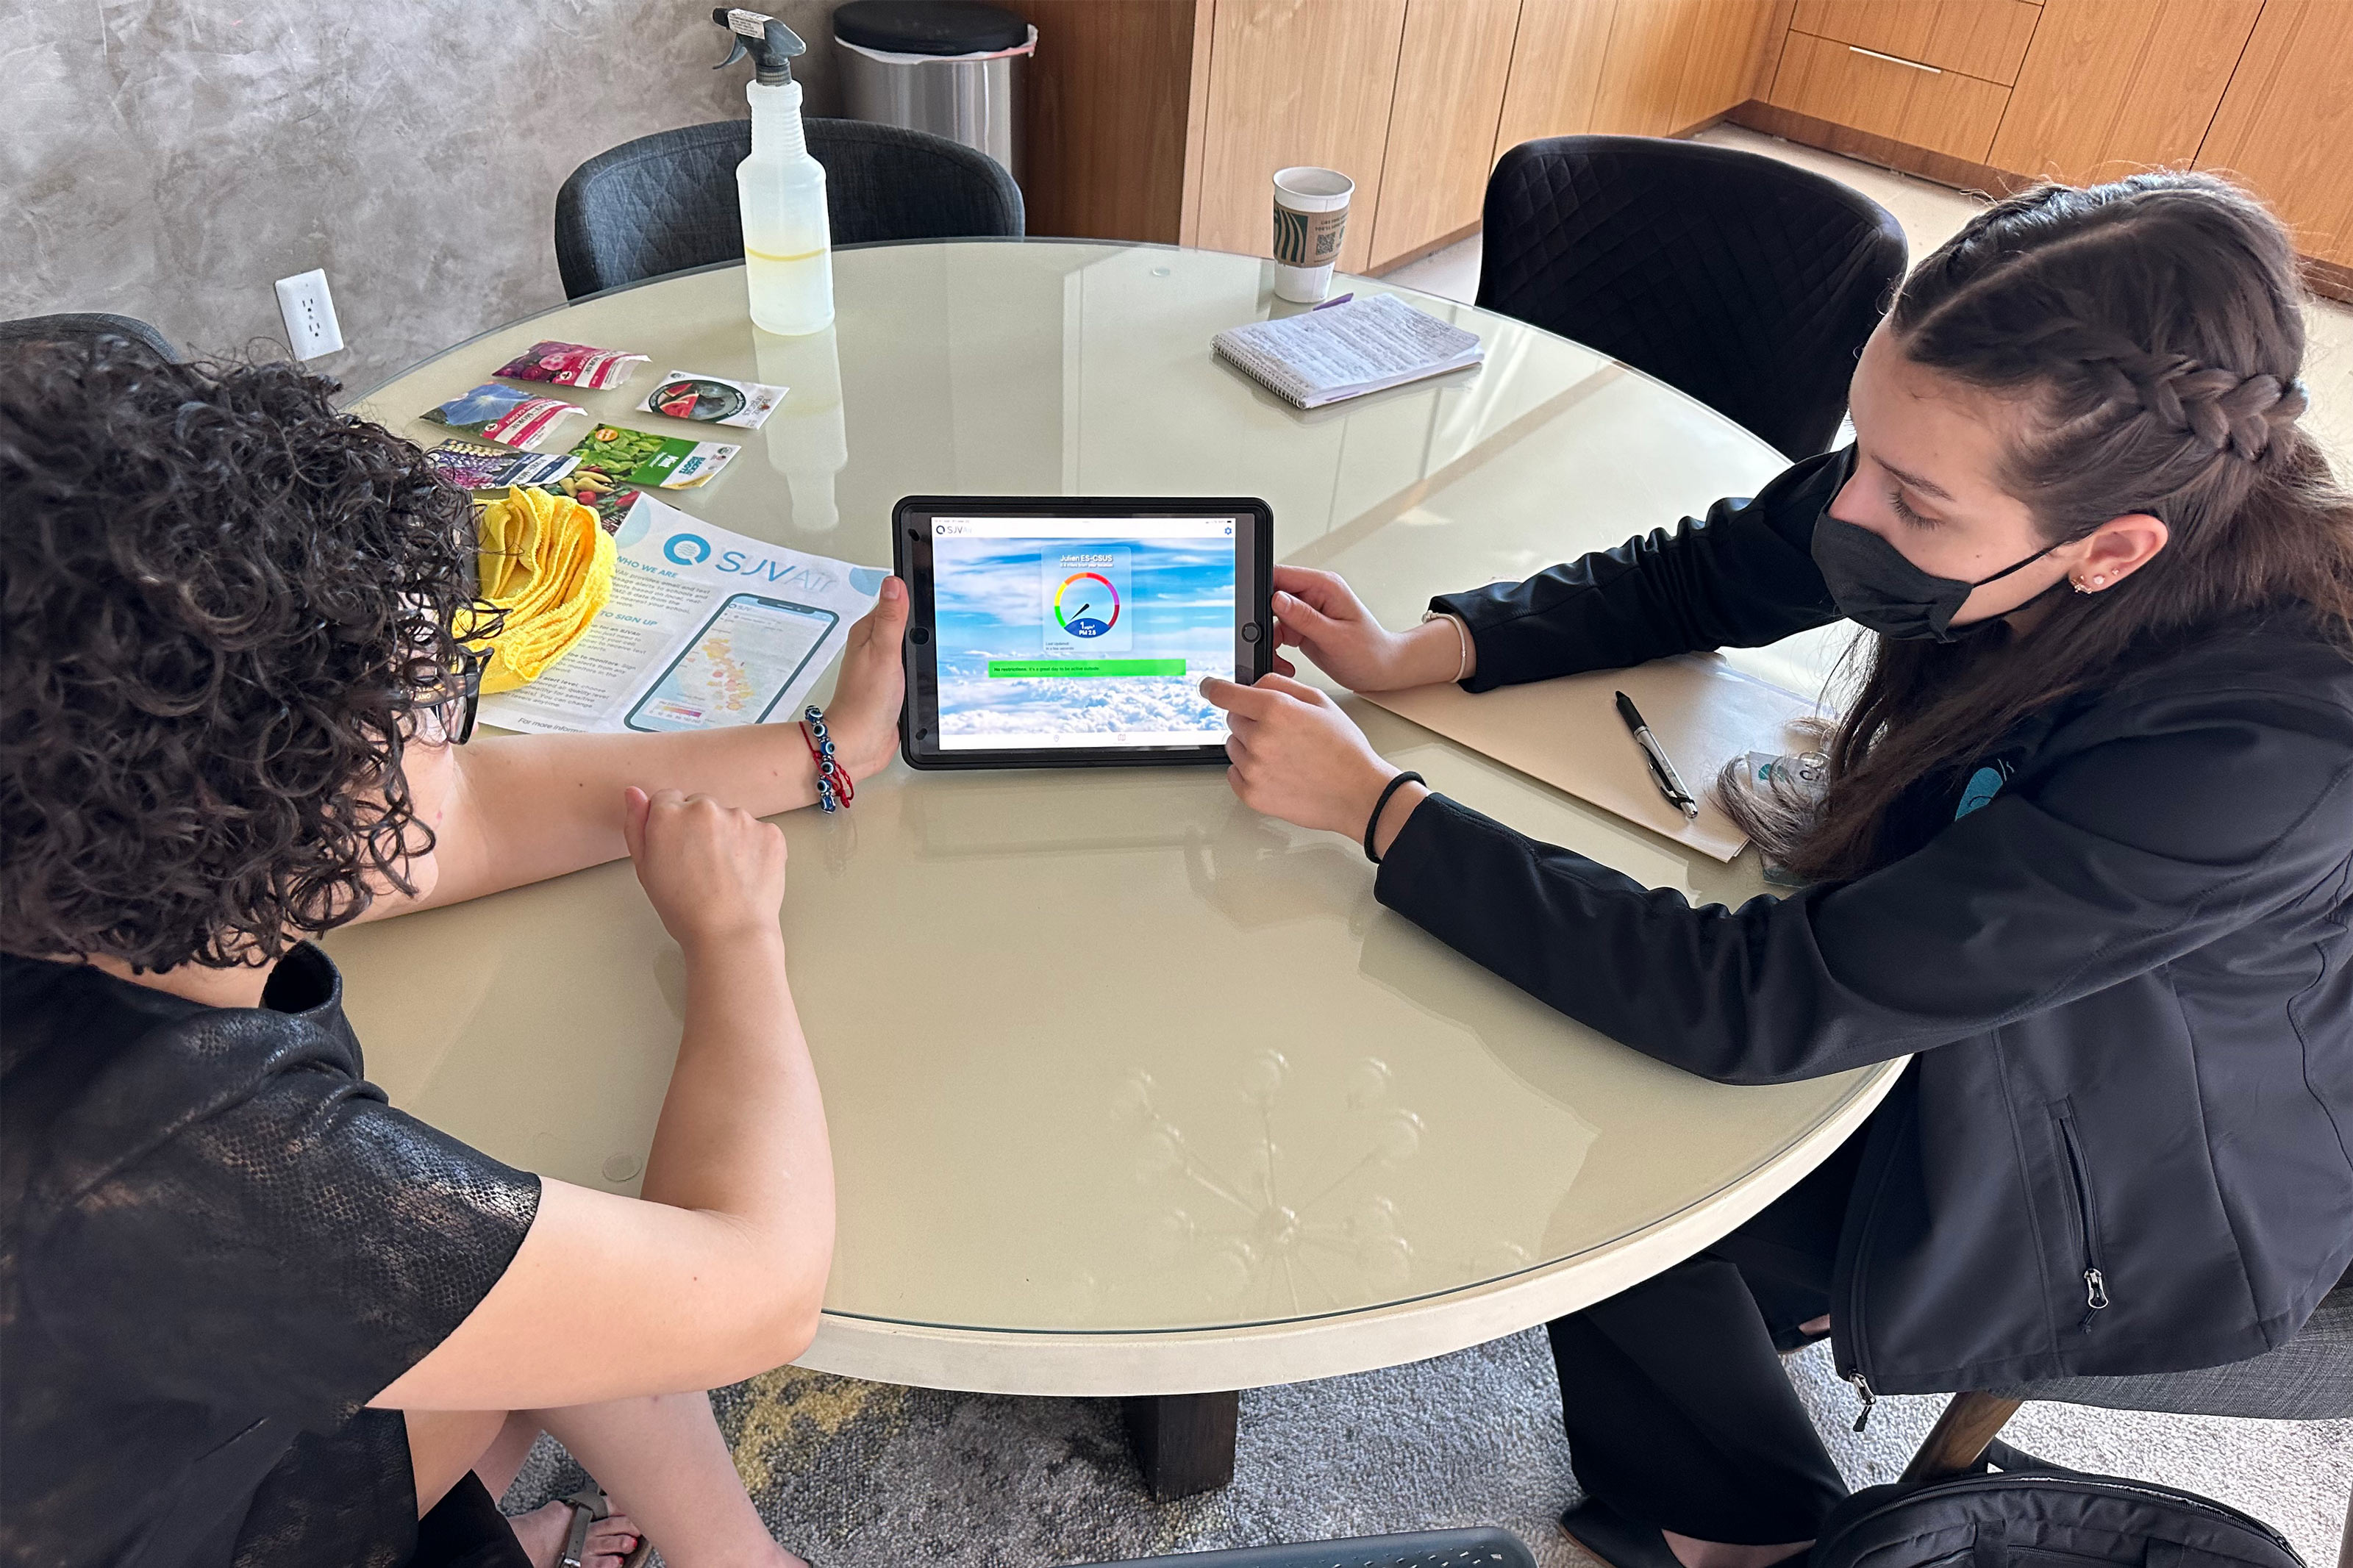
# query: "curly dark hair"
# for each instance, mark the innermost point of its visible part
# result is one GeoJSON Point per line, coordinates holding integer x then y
{"type": "Point", "coordinates": [221, 601]}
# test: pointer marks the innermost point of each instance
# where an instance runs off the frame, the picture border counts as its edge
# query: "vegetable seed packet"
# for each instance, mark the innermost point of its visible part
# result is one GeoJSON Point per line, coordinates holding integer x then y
{"type": "Point", "coordinates": [592, 489]}
{"type": "Point", "coordinates": [572, 365]}
{"type": "Point", "coordinates": [503, 414]}
{"type": "Point", "coordinates": [712, 399]}
{"type": "Point", "coordinates": [617, 456]}
{"type": "Point", "coordinates": [473, 468]}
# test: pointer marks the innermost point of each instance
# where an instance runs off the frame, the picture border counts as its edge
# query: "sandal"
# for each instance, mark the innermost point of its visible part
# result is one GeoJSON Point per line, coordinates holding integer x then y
{"type": "Point", "coordinates": [588, 1505]}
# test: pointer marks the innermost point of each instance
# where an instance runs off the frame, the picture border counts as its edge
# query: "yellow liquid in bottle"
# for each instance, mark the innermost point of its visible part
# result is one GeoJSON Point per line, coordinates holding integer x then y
{"type": "Point", "coordinates": [790, 295]}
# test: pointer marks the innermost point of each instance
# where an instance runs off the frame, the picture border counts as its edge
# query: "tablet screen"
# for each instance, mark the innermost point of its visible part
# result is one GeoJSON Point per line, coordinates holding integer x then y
{"type": "Point", "coordinates": [1081, 632]}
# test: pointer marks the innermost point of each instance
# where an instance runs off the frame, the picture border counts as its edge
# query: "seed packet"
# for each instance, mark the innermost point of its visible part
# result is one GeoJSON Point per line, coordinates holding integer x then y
{"type": "Point", "coordinates": [572, 365]}
{"type": "Point", "coordinates": [712, 399]}
{"type": "Point", "coordinates": [1798, 782]}
{"type": "Point", "coordinates": [474, 467]}
{"type": "Point", "coordinates": [503, 414]}
{"type": "Point", "coordinates": [611, 502]}
{"type": "Point", "coordinates": [1803, 777]}
{"type": "Point", "coordinates": [616, 454]}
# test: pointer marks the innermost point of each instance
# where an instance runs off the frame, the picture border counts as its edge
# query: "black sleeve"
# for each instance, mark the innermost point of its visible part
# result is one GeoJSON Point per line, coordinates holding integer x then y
{"type": "Point", "coordinates": [2121, 858]}
{"type": "Point", "coordinates": [289, 1244]}
{"type": "Point", "coordinates": [1741, 577]}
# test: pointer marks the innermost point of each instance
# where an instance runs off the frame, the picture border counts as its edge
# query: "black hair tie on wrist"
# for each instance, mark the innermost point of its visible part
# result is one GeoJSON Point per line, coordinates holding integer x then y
{"type": "Point", "coordinates": [1381, 806]}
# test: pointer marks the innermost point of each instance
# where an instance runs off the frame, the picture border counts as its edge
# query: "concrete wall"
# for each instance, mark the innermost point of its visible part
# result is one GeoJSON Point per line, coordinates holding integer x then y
{"type": "Point", "coordinates": [170, 159]}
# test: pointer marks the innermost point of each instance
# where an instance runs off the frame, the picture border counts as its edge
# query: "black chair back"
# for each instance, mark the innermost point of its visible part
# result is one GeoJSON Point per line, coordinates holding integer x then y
{"type": "Point", "coordinates": [1747, 283]}
{"type": "Point", "coordinates": [77, 324]}
{"type": "Point", "coordinates": [667, 202]}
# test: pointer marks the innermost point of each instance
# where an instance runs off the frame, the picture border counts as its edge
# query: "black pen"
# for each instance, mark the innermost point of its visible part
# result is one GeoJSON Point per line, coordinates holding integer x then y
{"type": "Point", "coordinates": [1663, 771]}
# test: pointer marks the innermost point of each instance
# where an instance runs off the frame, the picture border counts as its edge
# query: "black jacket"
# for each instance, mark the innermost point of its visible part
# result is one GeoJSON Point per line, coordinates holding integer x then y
{"type": "Point", "coordinates": [2127, 979]}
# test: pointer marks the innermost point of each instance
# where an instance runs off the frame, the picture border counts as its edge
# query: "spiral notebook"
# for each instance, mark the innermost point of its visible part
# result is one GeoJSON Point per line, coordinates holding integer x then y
{"type": "Point", "coordinates": [1346, 350]}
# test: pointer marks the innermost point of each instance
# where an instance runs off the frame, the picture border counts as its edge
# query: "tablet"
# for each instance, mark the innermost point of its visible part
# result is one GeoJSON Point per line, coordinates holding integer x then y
{"type": "Point", "coordinates": [1070, 631]}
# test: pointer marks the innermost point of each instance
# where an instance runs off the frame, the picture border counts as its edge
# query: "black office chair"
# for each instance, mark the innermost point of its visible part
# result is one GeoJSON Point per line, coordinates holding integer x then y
{"type": "Point", "coordinates": [1482, 1548]}
{"type": "Point", "coordinates": [78, 324]}
{"type": "Point", "coordinates": [1747, 283]}
{"type": "Point", "coordinates": [2310, 1378]}
{"type": "Point", "coordinates": [667, 201]}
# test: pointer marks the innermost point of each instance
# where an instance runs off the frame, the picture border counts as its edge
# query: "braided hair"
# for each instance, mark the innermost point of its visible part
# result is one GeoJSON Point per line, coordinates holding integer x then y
{"type": "Point", "coordinates": [2151, 333]}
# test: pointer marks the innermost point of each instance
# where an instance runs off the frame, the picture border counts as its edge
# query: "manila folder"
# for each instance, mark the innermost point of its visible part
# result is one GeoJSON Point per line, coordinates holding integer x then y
{"type": "Point", "coordinates": [1567, 732]}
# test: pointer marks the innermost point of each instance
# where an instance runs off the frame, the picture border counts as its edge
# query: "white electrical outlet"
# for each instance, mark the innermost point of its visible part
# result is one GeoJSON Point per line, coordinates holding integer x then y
{"type": "Point", "coordinates": [309, 311]}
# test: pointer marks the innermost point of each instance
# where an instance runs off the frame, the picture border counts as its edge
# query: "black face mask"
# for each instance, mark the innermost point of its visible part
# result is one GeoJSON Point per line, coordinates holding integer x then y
{"type": "Point", "coordinates": [1874, 585]}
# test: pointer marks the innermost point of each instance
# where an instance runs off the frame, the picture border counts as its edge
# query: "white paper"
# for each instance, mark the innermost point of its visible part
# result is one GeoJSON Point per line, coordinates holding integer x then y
{"type": "Point", "coordinates": [706, 628]}
{"type": "Point", "coordinates": [1340, 351]}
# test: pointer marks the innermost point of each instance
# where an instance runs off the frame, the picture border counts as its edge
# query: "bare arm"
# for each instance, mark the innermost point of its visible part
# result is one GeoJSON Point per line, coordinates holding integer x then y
{"type": "Point", "coordinates": [719, 1270]}
{"type": "Point", "coordinates": [523, 808]}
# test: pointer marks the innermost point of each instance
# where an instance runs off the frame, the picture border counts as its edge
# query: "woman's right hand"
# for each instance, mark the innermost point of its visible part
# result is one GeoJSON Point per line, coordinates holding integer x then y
{"type": "Point", "coordinates": [711, 871]}
{"type": "Point", "coordinates": [1318, 614]}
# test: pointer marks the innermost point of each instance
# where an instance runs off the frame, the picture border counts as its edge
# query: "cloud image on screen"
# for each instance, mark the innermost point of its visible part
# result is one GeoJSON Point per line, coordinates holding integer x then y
{"type": "Point", "coordinates": [990, 605]}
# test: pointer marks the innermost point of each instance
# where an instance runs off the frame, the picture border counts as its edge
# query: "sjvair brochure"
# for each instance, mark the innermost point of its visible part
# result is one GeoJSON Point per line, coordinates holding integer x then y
{"type": "Point", "coordinates": [1346, 350]}
{"type": "Point", "coordinates": [705, 629]}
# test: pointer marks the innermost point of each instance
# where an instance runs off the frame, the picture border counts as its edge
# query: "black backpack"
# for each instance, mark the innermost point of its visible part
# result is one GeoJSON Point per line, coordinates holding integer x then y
{"type": "Point", "coordinates": [2035, 1514]}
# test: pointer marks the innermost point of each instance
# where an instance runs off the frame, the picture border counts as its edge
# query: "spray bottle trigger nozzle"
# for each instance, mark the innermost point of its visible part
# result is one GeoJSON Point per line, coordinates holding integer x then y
{"type": "Point", "coordinates": [769, 42]}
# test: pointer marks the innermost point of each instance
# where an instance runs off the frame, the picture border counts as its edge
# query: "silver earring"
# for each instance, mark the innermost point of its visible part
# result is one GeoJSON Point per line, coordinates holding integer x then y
{"type": "Point", "coordinates": [2100, 580]}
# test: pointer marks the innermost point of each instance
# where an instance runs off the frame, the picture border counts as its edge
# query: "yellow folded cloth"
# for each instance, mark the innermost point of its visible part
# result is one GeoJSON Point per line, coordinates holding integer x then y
{"type": "Point", "coordinates": [545, 563]}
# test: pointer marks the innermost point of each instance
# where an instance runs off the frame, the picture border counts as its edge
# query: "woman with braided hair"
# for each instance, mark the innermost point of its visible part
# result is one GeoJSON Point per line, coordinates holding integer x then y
{"type": "Point", "coordinates": [2084, 853]}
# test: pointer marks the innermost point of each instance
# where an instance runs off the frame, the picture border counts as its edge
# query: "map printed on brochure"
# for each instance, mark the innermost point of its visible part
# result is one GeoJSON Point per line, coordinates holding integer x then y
{"type": "Point", "coordinates": [705, 629]}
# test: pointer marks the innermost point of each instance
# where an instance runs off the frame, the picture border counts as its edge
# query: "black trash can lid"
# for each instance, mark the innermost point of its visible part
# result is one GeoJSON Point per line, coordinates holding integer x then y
{"type": "Point", "coordinates": [929, 26]}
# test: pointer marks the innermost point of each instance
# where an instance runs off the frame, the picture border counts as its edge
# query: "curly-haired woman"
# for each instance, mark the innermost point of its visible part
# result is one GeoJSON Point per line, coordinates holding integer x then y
{"type": "Point", "coordinates": [2086, 853]}
{"type": "Point", "coordinates": [248, 1312]}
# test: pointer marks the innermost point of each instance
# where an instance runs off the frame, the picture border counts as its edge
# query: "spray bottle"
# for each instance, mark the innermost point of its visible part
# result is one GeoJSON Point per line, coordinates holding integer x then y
{"type": "Point", "coordinates": [787, 237]}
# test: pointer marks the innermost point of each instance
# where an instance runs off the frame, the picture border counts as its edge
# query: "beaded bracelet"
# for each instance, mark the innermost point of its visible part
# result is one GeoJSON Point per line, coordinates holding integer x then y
{"type": "Point", "coordinates": [834, 790]}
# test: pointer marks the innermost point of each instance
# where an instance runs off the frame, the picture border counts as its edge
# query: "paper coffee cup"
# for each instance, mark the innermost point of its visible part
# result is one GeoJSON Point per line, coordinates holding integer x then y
{"type": "Point", "coordinates": [1310, 215]}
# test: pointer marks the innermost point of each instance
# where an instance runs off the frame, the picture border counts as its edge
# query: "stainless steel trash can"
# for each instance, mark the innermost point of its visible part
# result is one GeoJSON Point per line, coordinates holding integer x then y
{"type": "Point", "coordinates": [948, 67]}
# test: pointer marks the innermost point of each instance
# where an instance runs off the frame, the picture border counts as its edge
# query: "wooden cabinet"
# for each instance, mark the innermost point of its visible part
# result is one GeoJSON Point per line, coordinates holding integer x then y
{"type": "Point", "coordinates": [1628, 68]}
{"type": "Point", "coordinates": [1296, 81]}
{"type": "Point", "coordinates": [1451, 69]}
{"type": "Point", "coordinates": [1164, 119]}
{"type": "Point", "coordinates": [1981, 38]}
{"type": "Point", "coordinates": [2285, 124]}
{"type": "Point", "coordinates": [2111, 86]}
{"type": "Point", "coordinates": [2082, 92]}
{"type": "Point", "coordinates": [1555, 69]}
{"type": "Point", "coordinates": [1943, 111]}
{"type": "Point", "coordinates": [1106, 108]}
{"type": "Point", "coordinates": [1723, 60]}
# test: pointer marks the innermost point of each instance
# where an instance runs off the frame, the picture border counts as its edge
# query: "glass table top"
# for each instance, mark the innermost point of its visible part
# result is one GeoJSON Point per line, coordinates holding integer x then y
{"type": "Point", "coordinates": [1105, 1052]}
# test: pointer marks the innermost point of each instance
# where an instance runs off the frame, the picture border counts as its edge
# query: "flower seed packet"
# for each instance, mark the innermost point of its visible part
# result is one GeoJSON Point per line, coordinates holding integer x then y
{"type": "Point", "coordinates": [712, 399]}
{"type": "Point", "coordinates": [504, 414]}
{"type": "Point", "coordinates": [614, 455]}
{"type": "Point", "coordinates": [572, 365]}
{"type": "Point", "coordinates": [473, 468]}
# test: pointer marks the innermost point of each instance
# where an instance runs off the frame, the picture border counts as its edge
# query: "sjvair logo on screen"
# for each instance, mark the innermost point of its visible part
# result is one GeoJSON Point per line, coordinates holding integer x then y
{"type": "Point", "coordinates": [687, 549]}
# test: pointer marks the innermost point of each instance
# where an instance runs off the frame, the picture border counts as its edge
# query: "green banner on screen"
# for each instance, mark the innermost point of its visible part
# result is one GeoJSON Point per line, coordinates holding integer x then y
{"type": "Point", "coordinates": [1080, 669]}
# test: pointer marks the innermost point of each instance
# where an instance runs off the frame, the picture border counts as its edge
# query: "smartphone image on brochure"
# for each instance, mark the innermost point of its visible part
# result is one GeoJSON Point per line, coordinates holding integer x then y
{"type": "Point", "coordinates": [737, 668]}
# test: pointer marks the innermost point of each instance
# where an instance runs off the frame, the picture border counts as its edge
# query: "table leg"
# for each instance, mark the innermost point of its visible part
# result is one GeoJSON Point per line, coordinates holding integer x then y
{"type": "Point", "coordinates": [1184, 1442]}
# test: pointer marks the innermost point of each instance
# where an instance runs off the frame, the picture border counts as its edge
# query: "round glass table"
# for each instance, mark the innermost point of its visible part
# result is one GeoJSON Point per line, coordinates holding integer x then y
{"type": "Point", "coordinates": [1133, 1092]}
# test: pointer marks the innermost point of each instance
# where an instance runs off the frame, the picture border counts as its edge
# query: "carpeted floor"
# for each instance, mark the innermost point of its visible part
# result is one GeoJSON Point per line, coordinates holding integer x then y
{"type": "Point", "coordinates": [860, 1475]}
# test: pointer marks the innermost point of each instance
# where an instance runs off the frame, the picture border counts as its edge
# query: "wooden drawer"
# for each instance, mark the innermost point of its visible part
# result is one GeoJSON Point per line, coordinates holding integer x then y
{"type": "Point", "coordinates": [1983, 38]}
{"type": "Point", "coordinates": [1940, 110]}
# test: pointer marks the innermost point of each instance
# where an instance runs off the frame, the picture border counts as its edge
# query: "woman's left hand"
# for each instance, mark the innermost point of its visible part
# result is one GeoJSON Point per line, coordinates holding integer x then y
{"type": "Point", "coordinates": [1296, 756]}
{"type": "Point", "coordinates": [864, 715]}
